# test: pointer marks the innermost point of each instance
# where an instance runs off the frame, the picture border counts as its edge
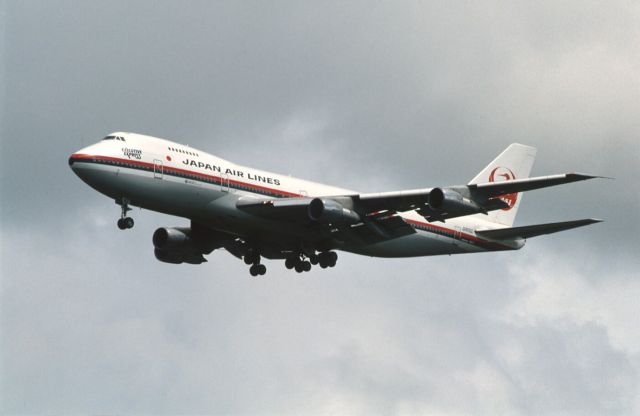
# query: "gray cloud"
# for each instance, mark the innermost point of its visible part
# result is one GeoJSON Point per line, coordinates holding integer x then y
{"type": "Point", "coordinates": [370, 96]}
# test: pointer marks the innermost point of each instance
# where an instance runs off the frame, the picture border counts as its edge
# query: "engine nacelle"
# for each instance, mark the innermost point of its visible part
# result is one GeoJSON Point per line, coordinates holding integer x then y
{"type": "Point", "coordinates": [175, 245]}
{"type": "Point", "coordinates": [165, 238]}
{"type": "Point", "coordinates": [328, 210]}
{"type": "Point", "coordinates": [452, 202]}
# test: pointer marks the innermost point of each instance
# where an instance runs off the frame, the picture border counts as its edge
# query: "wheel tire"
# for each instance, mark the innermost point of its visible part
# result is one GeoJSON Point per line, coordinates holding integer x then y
{"type": "Point", "coordinates": [306, 266]}
{"type": "Point", "coordinates": [289, 263]}
{"type": "Point", "coordinates": [314, 259]}
{"type": "Point", "coordinates": [324, 265]}
{"type": "Point", "coordinates": [121, 224]}
{"type": "Point", "coordinates": [262, 269]}
{"type": "Point", "coordinates": [299, 268]}
{"type": "Point", "coordinates": [254, 270]}
{"type": "Point", "coordinates": [128, 222]}
{"type": "Point", "coordinates": [247, 259]}
{"type": "Point", "coordinates": [332, 258]}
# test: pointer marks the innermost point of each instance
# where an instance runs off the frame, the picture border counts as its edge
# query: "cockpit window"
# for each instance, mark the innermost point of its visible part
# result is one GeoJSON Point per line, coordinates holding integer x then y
{"type": "Point", "coordinates": [114, 138]}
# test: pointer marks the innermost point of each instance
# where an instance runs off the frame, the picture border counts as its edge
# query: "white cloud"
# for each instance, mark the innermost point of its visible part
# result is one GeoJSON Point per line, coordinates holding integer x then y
{"type": "Point", "coordinates": [554, 288]}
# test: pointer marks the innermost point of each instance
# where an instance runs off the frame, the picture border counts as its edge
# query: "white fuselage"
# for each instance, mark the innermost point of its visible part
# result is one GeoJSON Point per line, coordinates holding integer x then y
{"type": "Point", "coordinates": [171, 178]}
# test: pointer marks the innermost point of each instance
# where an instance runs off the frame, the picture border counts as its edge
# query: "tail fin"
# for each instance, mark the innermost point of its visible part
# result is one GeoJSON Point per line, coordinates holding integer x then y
{"type": "Point", "coordinates": [515, 162]}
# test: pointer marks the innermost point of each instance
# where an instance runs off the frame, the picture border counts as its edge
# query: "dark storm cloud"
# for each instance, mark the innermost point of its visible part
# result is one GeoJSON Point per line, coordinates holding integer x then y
{"type": "Point", "coordinates": [369, 96]}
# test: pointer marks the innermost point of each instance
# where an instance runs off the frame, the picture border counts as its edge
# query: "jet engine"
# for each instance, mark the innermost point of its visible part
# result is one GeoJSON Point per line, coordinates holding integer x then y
{"type": "Point", "coordinates": [178, 245]}
{"type": "Point", "coordinates": [450, 201]}
{"type": "Point", "coordinates": [327, 210]}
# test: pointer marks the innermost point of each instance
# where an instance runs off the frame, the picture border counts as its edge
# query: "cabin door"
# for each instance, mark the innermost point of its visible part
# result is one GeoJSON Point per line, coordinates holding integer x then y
{"type": "Point", "coordinates": [157, 168]}
{"type": "Point", "coordinates": [224, 185]}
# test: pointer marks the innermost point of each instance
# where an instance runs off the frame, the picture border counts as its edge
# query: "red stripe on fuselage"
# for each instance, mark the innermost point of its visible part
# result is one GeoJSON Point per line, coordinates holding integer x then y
{"type": "Point", "coordinates": [166, 169]}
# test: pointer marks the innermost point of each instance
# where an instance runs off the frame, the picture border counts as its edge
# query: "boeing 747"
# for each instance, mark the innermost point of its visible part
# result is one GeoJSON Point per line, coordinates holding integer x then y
{"type": "Point", "coordinates": [255, 214]}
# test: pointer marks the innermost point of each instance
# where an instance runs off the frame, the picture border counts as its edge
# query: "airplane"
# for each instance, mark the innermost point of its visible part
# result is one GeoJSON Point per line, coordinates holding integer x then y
{"type": "Point", "coordinates": [254, 214]}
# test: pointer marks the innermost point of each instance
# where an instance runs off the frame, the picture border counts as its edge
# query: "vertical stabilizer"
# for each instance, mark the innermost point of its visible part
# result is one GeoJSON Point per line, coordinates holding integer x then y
{"type": "Point", "coordinates": [515, 162]}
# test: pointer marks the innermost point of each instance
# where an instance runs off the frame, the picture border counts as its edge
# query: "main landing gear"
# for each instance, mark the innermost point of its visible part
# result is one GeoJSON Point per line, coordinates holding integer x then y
{"type": "Point", "coordinates": [253, 258]}
{"type": "Point", "coordinates": [125, 222]}
{"type": "Point", "coordinates": [298, 262]}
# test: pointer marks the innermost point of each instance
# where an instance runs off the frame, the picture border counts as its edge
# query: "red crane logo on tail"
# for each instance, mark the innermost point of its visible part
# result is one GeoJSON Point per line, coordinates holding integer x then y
{"type": "Point", "coordinates": [501, 174]}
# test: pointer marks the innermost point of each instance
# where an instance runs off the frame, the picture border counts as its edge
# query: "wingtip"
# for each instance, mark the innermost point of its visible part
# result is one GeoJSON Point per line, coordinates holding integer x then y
{"type": "Point", "coordinates": [586, 176]}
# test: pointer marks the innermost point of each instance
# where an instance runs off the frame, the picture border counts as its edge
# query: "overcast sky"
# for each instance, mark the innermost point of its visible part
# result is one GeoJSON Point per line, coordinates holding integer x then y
{"type": "Point", "coordinates": [364, 95]}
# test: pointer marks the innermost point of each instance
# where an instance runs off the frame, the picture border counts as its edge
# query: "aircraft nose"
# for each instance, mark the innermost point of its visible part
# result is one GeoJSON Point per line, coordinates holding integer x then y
{"type": "Point", "coordinates": [81, 155]}
{"type": "Point", "coordinates": [73, 159]}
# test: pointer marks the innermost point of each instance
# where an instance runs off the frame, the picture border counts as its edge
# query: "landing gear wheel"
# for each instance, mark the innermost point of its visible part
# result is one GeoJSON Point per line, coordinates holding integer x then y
{"type": "Point", "coordinates": [333, 258]}
{"type": "Point", "coordinates": [124, 222]}
{"type": "Point", "coordinates": [290, 263]}
{"type": "Point", "coordinates": [306, 266]}
{"type": "Point", "coordinates": [255, 270]}
{"type": "Point", "coordinates": [262, 269]}
{"type": "Point", "coordinates": [314, 259]}
{"type": "Point", "coordinates": [328, 259]}
{"type": "Point", "coordinates": [252, 257]}
{"type": "Point", "coordinates": [128, 222]}
{"type": "Point", "coordinates": [299, 267]}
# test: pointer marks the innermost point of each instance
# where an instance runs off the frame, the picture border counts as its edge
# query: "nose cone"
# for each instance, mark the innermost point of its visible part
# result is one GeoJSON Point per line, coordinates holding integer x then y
{"type": "Point", "coordinates": [80, 161]}
{"type": "Point", "coordinates": [86, 164]}
{"type": "Point", "coordinates": [72, 161]}
{"type": "Point", "coordinates": [76, 159]}
{"type": "Point", "coordinates": [84, 154]}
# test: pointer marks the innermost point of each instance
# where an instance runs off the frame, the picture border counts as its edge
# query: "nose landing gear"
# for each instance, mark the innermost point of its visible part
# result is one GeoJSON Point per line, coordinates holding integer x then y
{"type": "Point", "coordinates": [125, 222]}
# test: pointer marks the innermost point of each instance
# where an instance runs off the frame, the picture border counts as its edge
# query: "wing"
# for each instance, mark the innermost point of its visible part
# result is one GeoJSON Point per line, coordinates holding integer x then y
{"type": "Point", "coordinates": [329, 216]}
{"type": "Point", "coordinates": [374, 217]}
{"type": "Point", "coordinates": [439, 204]}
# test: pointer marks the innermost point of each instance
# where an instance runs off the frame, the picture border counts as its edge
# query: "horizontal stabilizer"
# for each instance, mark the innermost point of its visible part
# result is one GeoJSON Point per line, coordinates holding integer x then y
{"type": "Point", "coordinates": [494, 189]}
{"type": "Point", "coordinates": [534, 230]}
